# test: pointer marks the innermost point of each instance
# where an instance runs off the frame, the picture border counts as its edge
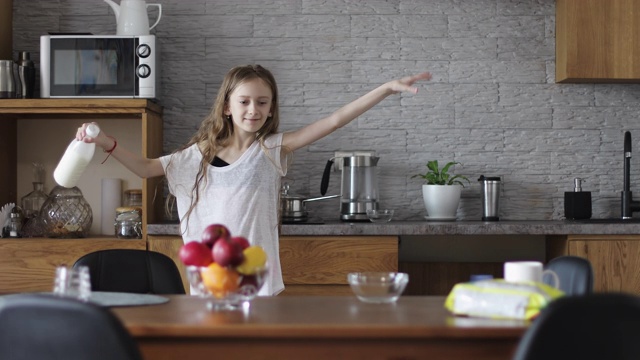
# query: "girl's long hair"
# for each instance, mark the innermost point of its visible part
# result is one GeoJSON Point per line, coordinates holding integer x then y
{"type": "Point", "coordinates": [216, 129]}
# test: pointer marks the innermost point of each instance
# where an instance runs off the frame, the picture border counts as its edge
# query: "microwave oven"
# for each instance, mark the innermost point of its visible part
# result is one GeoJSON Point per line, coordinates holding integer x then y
{"type": "Point", "coordinates": [98, 66]}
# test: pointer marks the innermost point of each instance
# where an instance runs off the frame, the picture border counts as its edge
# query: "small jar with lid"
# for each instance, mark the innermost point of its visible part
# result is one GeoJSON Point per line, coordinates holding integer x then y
{"type": "Point", "coordinates": [128, 222]}
{"type": "Point", "coordinates": [133, 197]}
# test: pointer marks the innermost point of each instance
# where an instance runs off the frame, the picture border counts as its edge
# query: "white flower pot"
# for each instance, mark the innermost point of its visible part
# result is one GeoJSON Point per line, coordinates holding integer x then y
{"type": "Point", "coordinates": [441, 201]}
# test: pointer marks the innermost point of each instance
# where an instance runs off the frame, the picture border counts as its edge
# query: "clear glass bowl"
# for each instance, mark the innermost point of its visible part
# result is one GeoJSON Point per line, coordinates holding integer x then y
{"type": "Point", "coordinates": [66, 214]}
{"type": "Point", "coordinates": [380, 215]}
{"type": "Point", "coordinates": [378, 287]}
{"type": "Point", "coordinates": [243, 289]}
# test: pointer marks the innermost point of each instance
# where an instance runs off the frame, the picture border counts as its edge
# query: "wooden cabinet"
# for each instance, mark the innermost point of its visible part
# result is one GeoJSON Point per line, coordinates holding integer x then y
{"type": "Point", "coordinates": [318, 265]}
{"type": "Point", "coordinates": [128, 116]}
{"type": "Point", "coordinates": [314, 265]}
{"type": "Point", "coordinates": [615, 259]}
{"type": "Point", "coordinates": [28, 265]}
{"type": "Point", "coordinates": [170, 246]}
{"type": "Point", "coordinates": [597, 41]}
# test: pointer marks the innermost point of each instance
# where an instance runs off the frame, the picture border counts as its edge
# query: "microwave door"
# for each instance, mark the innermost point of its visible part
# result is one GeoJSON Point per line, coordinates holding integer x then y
{"type": "Point", "coordinates": [93, 67]}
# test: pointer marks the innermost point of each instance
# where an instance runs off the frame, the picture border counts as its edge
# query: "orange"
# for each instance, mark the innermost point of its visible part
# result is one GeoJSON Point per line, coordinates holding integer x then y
{"type": "Point", "coordinates": [220, 280]}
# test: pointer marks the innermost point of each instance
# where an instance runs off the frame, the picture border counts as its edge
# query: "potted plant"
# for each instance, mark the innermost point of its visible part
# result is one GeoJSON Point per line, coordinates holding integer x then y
{"type": "Point", "coordinates": [442, 191]}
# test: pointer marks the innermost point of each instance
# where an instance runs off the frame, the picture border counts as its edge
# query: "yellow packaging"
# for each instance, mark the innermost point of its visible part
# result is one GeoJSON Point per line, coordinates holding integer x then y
{"type": "Point", "coordinates": [498, 299]}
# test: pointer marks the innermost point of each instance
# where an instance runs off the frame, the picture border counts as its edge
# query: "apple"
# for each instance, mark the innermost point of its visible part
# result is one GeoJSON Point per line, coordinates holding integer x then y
{"type": "Point", "coordinates": [227, 253]}
{"type": "Point", "coordinates": [195, 253]}
{"type": "Point", "coordinates": [213, 233]}
{"type": "Point", "coordinates": [241, 241]}
{"type": "Point", "coordinates": [250, 280]}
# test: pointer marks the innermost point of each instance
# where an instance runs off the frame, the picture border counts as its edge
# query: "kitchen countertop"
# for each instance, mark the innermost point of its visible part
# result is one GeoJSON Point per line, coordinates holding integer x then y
{"type": "Point", "coordinates": [461, 227]}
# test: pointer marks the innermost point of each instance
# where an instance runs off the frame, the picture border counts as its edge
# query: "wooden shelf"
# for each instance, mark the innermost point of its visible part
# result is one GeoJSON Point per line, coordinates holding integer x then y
{"type": "Point", "coordinates": [78, 106]}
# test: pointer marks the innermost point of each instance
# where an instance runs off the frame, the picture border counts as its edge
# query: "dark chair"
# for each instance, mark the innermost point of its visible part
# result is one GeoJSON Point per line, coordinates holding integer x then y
{"type": "Point", "coordinates": [38, 326]}
{"type": "Point", "coordinates": [575, 274]}
{"type": "Point", "coordinates": [596, 326]}
{"type": "Point", "coordinates": [132, 271]}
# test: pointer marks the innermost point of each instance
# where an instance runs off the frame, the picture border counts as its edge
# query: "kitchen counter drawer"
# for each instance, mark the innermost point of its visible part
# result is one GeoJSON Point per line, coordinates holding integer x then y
{"type": "Point", "coordinates": [314, 265]}
{"type": "Point", "coordinates": [318, 265]}
{"type": "Point", "coordinates": [28, 265]}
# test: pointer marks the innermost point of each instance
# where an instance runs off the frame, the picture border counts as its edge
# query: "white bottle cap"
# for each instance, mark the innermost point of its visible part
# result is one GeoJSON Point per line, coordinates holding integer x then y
{"type": "Point", "coordinates": [93, 130]}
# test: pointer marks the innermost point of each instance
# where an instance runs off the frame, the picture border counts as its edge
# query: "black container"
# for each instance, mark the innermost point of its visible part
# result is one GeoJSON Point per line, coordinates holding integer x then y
{"type": "Point", "coordinates": [26, 76]}
{"type": "Point", "coordinates": [577, 204]}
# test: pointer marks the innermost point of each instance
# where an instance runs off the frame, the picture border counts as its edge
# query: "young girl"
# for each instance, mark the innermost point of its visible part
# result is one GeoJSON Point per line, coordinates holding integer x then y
{"type": "Point", "coordinates": [229, 172]}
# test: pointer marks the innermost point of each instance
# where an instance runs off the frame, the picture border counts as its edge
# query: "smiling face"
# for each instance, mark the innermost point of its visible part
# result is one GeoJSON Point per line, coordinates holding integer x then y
{"type": "Point", "coordinates": [249, 106]}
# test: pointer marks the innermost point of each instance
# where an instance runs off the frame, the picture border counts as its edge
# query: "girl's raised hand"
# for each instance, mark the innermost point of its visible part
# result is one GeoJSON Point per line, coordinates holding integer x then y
{"type": "Point", "coordinates": [405, 84]}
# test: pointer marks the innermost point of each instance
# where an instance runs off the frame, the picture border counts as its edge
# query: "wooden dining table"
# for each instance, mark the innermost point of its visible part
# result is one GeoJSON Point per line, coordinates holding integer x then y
{"type": "Point", "coordinates": [317, 327]}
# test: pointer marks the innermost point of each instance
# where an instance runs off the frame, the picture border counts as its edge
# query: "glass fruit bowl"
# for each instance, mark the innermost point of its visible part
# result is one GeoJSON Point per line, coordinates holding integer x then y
{"type": "Point", "coordinates": [225, 288]}
{"type": "Point", "coordinates": [378, 287]}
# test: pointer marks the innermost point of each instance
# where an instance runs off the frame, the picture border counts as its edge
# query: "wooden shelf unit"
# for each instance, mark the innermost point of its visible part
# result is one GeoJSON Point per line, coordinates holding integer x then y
{"type": "Point", "coordinates": [146, 112]}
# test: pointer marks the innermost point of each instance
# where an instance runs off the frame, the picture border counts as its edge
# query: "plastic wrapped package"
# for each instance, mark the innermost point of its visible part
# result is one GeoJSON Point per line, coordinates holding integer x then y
{"type": "Point", "coordinates": [499, 299]}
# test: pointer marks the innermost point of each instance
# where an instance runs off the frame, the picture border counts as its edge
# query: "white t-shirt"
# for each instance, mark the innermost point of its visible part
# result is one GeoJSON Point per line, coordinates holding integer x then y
{"type": "Point", "coordinates": [243, 196]}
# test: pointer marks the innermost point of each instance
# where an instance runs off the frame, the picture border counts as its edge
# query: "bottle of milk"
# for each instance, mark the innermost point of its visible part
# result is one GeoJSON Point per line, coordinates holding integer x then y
{"type": "Point", "coordinates": [75, 159]}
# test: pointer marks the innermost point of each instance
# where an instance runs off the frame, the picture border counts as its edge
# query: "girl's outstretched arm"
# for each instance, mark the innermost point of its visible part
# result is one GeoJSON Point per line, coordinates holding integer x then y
{"type": "Point", "coordinates": [317, 130]}
{"type": "Point", "coordinates": [141, 166]}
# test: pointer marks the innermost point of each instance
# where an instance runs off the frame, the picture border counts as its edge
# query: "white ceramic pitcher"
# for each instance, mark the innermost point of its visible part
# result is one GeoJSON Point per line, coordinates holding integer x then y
{"type": "Point", "coordinates": [132, 17]}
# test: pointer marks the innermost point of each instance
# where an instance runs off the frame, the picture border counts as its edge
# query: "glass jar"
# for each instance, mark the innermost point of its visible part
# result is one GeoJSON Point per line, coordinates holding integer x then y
{"type": "Point", "coordinates": [128, 223]}
{"type": "Point", "coordinates": [133, 197]}
{"type": "Point", "coordinates": [66, 214]}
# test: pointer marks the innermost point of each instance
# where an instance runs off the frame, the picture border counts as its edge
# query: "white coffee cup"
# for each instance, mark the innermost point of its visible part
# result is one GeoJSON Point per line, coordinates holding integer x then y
{"type": "Point", "coordinates": [528, 271]}
{"type": "Point", "coordinates": [72, 282]}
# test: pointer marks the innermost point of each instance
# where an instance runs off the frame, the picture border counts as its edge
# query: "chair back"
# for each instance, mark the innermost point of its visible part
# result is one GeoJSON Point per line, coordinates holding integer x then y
{"type": "Point", "coordinates": [575, 274]}
{"type": "Point", "coordinates": [594, 326]}
{"type": "Point", "coordinates": [132, 271]}
{"type": "Point", "coordinates": [39, 326]}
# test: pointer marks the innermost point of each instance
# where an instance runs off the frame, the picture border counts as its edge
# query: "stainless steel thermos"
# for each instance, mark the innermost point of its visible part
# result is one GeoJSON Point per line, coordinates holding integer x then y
{"type": "Point", "coordinates": [7, 80]}
{"type": "Point", "coordinates": [490, 190]}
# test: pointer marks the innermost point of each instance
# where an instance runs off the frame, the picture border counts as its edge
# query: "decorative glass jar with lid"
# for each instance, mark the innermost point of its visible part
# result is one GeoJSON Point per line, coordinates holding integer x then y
{"type": "Point", "coordinates": [66, 214]}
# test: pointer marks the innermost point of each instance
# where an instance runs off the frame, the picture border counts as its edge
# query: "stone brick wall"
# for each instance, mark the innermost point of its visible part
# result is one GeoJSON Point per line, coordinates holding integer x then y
{"type": "Point", "coordinates": [492, 105]}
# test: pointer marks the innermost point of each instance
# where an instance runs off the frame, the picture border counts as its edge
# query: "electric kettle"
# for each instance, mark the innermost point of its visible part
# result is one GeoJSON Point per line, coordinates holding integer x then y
{"type": "Point", "coordinates": [359, 186]}
{"type": "Point", "coordinates": [132, 18]}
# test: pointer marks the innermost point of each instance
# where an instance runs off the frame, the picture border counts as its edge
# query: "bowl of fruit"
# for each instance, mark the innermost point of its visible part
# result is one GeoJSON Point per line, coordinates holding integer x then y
{"type": "Point", "coordinates": [225, 269]}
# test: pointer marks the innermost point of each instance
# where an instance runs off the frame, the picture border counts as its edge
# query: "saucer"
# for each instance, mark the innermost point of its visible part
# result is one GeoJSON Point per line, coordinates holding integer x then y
{"type": "Point", "coordinates": [445, 218]}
